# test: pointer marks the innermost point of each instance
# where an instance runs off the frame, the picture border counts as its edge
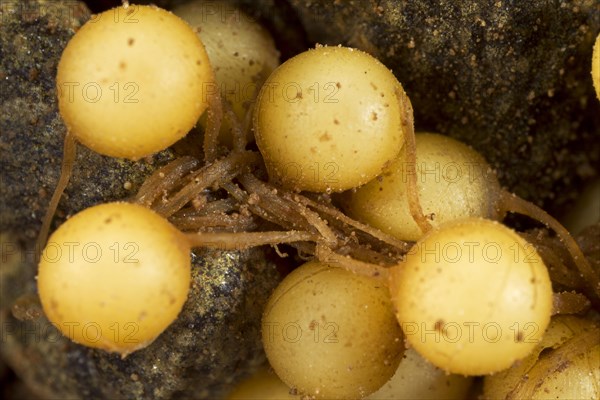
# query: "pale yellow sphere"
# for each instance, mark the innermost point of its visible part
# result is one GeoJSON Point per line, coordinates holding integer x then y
{"type": "Point", "coordinates": [472, 297]}
{"type": "Point", "coordinates": [596, 66]}
{"type": "Point", "coordinates": [132, 81]}
{"type": "Point", "coordinates": [263, 385]}
{"type": "Point", "coordinates": [330, 333]}
{"type": "Point", "coordinates": [564, 365]}
{"type": "Point", "coordinates": [418, 379]}
{"type": "Point", "coordinates": [114, 276]}
{"type": "Point", "coordinates": [240, 50]}
{"type": "Point", "coordinates": [453, 182]}
{"type": "Point", "coordinates": [328, 119]}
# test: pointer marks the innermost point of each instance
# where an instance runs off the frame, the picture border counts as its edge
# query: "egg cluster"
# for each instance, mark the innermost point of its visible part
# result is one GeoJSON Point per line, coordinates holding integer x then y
{"type": "Point", "coordinates": [419, 256]}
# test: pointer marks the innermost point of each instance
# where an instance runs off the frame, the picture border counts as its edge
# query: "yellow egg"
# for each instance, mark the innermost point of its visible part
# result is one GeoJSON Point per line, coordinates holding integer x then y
{"type": "Point", "coordinates": [240, 50]}
{"type": "Point", "coordinates": [472, 297]}
{"type": "Point", "coordinates": [263, 385]}
{"type": "Point", "coordinates": [328, 119]}
{"type": "Point", "coordinates": [564, 365]}
{"type": "Point", "coordinates": [132, 81]}
{"type": "Point", "coordinates": [114, 276]}
{"type": "Point", "coordinates": [418, 379]}
{"type": "Point", "coordinates": [330, 333]}
{"type": "Point", "coordinates": [453, 182]}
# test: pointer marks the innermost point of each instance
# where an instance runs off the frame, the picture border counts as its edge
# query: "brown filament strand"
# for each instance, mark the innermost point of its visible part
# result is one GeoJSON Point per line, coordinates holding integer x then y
{"type": "Point", "coordinates": [569, 303]}
{"type": "Point", "coordinates": [515, 204]}
{"type": "Point", "coordinates": [410, 149]}
{"type": "Point", "coordinates": [312, 219]}
{"type": "Point", "coordinates": [219, 171]}
{"type": "Point", "coordinates": [237, 131]}
{"type": "Point", "coordinates": [328, 256]}
{"type": "Point", "coordinates": [237, 193]}
{"type": "Point", "coordinates": [273, 204]}
{"type": "Point", "coordinates": [164, 179]}
{"type": "Point", "coordinates": [340, 216]}
{"type": "Point", "coordinates": [235, 223]}
{"type": "Point", "coordinates": [69, 155]}
{"type": "Point", "coordinates": [245, 240]}
{"type": "Point", "coordinates": [213, 207]}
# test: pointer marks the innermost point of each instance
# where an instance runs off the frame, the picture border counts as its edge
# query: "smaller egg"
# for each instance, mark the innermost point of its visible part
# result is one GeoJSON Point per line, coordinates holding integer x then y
{"type": "Point", "coordinates": [453, 182]}
{"type": "Point", "coordinates": [418, 379]}
{"type": "Point", "coordinates": [564, 365]}
{"type": "Point", "coordinates": [241, 51]}
{"type": "Point", "coordinates": [330, 333]}
{"type": "Point", "coordinates": [263, 385]}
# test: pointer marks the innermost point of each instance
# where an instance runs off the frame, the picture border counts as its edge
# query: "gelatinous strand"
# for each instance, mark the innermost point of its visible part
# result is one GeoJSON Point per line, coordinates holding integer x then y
{"type": "Point", "coordinates": [245, 240]}
{"type": "Point", "coordinates": [274, 215]}
{"type": "Point", "coordinates": [277, 210]}
{"type": "Point", "coordinates": [271, 196]}
{"type": "Point", "coordinates": [569, 303]}
{"type": "Point", "coordinates": [238, 132]}
{"type": "Point", "coordinates": [557, 258]}
{"type": "Point", "coordinates": [350, 225]}
{"type": "Point", "coordinates": [325, 254]}
{"type": "Point", "coordinates": [410, 150]}
{"type": "Point", "coordinates": [366, 253]}
{"type": "Point", "coordinates": [247, 122]}
{"type": "Point", "coordinates": [513, 203]}
{"type": "Point", "coordinates": [230, 223]}
{"type": "Point", "coordinates": [221, 170]}
{"type": "Point", "coordinates": [323, 223]}
{"type": "Point", "coordinates": [312, 219]}
{"type": "Point", "coordinates": [201, 207]}
{"type": "Point", "coordinates": [164, 180]}
{"type": "Point", "coordinates": [596, 66]}
{"type": "Point", "coordinates": [69, 154]}
{"type": "Point", "coordinates": [330, 238]}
